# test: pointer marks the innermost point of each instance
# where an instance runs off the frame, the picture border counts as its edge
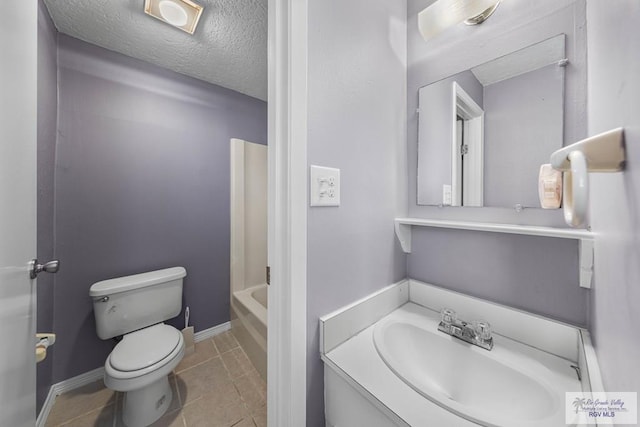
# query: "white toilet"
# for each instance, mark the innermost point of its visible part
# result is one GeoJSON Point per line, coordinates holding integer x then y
{"type": "Point", "coordinates": [139, 365]}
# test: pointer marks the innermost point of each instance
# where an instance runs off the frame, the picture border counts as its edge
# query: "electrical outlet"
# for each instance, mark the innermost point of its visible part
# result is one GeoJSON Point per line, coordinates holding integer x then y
{"type": "Point", "coordinates": [446, 195]}
{"type": "Point", "coordinates": [324, 186]}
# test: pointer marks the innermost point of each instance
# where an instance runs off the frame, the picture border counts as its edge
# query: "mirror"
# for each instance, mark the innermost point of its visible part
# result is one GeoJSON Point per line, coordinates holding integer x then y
{"type": "Point", "coordinates": [483, 133]}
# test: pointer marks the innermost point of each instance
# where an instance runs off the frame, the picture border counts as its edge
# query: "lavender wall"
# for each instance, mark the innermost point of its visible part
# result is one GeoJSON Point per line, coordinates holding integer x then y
{"type": "Point", "coordinates": [357, 120]}
{"type": "Point", "coordinates": [514, 111]}
{"type": "Point", "coordinates": [142, 183]}
{"type": "Point", "coordinates": [537, 274]}
{"type": "Point", "coordinates": [546, 278]}
{"type": "Point", "coordinates": [47, 117]}
{"type": "Point", "coordinates": [614, 85]}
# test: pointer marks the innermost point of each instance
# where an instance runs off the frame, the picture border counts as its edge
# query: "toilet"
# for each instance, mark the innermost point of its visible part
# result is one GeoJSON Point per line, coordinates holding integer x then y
{"type": "Point", "coordinates": [134, 307]}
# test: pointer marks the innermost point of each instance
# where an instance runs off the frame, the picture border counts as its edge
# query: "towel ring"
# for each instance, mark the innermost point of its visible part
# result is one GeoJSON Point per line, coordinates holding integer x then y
{"type": "Point", "coordinates": [604, 152]}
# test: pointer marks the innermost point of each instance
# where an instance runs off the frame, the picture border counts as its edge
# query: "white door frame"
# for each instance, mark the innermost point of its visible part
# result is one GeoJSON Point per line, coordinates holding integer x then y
{"type": "Point", "coordinates": [287, 118]}
{"type": "Point", "coordinates": [473, 115]}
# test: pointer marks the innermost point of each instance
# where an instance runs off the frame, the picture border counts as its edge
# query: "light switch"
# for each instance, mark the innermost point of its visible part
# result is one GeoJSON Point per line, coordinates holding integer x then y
{"type": "Point", "coordinates": [324, 186]}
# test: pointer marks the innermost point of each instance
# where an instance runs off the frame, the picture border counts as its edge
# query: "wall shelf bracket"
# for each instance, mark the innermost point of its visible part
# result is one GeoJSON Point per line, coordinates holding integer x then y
{"type": "Point", "coordinates": [403, 232]}
{"type": "Point", "coordinates": [586, 262]}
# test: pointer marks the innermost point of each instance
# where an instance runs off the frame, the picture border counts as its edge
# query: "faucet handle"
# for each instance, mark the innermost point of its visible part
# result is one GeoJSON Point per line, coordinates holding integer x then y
{"type": "Point", "coordinates": [448, 316]}
{"type": "Point", "coordinates": [482, 329]}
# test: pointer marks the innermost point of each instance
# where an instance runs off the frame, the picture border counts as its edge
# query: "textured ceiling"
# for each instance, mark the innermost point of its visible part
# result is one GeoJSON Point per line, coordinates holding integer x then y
{"type": "Point", "coordinates": [229, 47]}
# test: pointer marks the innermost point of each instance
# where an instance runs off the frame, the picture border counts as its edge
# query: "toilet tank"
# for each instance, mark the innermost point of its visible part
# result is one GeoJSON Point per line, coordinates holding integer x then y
{"type": "Point", "coordinates": [129, 303]}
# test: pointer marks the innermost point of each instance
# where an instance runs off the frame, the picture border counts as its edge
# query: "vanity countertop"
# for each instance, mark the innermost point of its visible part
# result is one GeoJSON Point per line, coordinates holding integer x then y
{"type": "Point", "coordinates": [356, 360]}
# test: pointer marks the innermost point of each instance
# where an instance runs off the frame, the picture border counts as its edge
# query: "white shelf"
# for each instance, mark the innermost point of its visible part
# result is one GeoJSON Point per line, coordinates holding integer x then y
{"type": "Point", "coordinates": [403, 227]}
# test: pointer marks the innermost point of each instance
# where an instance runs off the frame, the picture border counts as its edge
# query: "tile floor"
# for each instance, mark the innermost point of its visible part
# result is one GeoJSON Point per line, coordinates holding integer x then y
{"type": "Point", "coordinates": [215, 386]}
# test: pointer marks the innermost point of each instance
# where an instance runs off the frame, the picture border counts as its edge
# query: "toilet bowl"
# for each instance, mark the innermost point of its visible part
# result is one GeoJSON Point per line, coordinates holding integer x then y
{"type": "Point", "coordinates": [139, 365]}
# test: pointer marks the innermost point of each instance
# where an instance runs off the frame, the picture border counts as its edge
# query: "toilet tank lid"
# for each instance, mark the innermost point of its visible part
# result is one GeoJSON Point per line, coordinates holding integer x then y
{"type": "Point", "coordinates": [136, 281]}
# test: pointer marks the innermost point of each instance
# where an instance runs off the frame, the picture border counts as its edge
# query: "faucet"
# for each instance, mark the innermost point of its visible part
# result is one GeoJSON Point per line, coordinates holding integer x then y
{"type": "Point", "coordinates": [476, 333]}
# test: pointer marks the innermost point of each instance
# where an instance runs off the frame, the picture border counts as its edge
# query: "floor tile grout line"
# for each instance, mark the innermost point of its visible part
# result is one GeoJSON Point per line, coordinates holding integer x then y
{"type": "Point", "coordinates": [175, 383]}
{"type": "Point", "coordinates": [238, 354]}
{"type": "Point", "coordinates": [114, 422]}
{"type": "Point", "coordinates": [215, 346]}
{"type": "Point", "coordinates": [194, 366]}
{"type": "Point", "coordinates": [233, 346]}
{"type": "Point", "coordinates": [217, 354]}
{"type": "Point", "coordinates": [240, 394]}
{"type": "Point", "coordinates": [59, 399]}
{"type": "Point", "coordinates": [226, 368]}
{"type": "Point", "coordinates": [67, 421]}
{"type": "Point", "coordinates": [238, 362]}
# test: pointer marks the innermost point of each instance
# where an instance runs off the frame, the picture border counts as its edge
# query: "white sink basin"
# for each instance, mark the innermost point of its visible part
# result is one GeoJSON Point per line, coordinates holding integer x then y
{"type": "Point", "coordinates": [512, 385]}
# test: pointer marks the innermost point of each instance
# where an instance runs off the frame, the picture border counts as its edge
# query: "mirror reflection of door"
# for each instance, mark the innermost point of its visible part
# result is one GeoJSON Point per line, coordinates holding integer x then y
{"type": "Point", "coordinates": [467, 153]}
{"type": "Point", "coordinates": [522, 98]}
{"type": "Point", "coordinates": [462, 149]}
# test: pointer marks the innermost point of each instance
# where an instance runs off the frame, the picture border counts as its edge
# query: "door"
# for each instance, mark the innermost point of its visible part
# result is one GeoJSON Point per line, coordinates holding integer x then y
{"type": "Point", "coordinates": [467, 150]}
{"type": "Point", "coordinates": [18, 123]}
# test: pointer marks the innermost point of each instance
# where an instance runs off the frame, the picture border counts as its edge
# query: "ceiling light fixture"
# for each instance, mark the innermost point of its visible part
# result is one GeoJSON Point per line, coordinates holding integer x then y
{"type": "Point", "coordinates": [172, 13]}
{"type": "Point", "coordinates": [443, 14]}
{"type": "Point", "coordinates": [183, 14]}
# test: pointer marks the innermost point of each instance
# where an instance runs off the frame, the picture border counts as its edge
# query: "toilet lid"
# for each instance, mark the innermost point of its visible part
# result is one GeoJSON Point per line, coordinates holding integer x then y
{"type": "Point", "coordinates": [145, 347]}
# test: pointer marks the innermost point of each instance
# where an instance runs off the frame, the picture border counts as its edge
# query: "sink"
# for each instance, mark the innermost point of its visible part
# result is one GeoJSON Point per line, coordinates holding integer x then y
{"type": "Point", "coordinates": [511, 385]}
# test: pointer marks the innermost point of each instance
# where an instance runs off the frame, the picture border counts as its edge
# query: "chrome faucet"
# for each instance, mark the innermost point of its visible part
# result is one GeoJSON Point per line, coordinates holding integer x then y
{"type": "Point", "coordinates": [476, 333]}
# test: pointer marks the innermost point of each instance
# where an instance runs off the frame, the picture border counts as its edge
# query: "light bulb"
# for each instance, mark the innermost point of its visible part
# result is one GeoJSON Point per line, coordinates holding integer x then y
{"type": "Point", "coordinates": [173, 13]}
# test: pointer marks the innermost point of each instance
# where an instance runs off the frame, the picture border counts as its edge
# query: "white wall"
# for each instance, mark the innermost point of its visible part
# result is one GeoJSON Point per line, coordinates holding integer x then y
{"type": "Point", "coordinates": [255, 213]}
{"type": "Point", "coordinates": [248, 214]}
{"type": "Point", "coordinates": [356, 122]}
{"type": "Point", "coordinates": [614, 88]}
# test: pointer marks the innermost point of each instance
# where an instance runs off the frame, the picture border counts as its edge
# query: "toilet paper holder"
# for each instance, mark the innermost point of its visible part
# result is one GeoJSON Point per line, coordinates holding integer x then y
{"type": "Point", "coordinates": [43, 342]}
{"type": "Point", "coordinates": [600, 153]}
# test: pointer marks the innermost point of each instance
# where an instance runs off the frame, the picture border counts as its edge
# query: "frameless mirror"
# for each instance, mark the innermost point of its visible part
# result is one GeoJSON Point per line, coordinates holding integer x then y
{"type": "Point", "coordinates": [483, 133]}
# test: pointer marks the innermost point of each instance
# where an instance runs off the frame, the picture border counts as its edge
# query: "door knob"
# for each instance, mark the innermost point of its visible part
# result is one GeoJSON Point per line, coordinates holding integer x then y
{"type": "Point", "coordinates": [49, 267]}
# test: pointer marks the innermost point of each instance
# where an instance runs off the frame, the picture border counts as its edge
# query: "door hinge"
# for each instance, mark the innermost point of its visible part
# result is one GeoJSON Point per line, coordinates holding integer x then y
{"type": "Point", "coordinates": [464, 149]}
{"type": "Point", "coordinates": [268, 275]}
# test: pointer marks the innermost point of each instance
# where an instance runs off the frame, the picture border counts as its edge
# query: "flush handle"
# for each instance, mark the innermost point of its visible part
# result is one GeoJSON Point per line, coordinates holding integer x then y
{"type": "Point", "coordinates": [49, 267]}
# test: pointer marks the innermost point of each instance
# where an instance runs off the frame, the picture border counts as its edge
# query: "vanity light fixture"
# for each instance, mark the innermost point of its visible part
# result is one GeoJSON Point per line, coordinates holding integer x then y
{"type": "Point", "coordinates": [183, 14]}
{"type": "Point", "coordinates": [443, 14]}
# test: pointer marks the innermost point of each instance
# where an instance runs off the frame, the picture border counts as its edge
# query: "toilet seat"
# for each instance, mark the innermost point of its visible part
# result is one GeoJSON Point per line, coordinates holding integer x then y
{"type": "Point", "coordinates": [143, 348]}
{"type": "Point", "coordinates": [143, 356]}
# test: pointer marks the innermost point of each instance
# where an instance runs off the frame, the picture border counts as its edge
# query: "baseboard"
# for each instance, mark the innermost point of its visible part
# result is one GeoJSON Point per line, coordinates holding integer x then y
{"type": "Point", "coordinates": [79, 381]}
{"type": "Point", "coordinates": [46, 408]}
{"type": "Point", "coordinates": [211, 332]}
{"type": "Point", "coordinates": [95, 375]}
{"type": "Point", "coordinates": [64, 387]}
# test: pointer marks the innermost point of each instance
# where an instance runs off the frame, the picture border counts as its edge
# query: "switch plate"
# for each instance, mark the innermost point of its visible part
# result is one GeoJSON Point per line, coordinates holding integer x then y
{"type": "Point", "coordinates": [324, 186]}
